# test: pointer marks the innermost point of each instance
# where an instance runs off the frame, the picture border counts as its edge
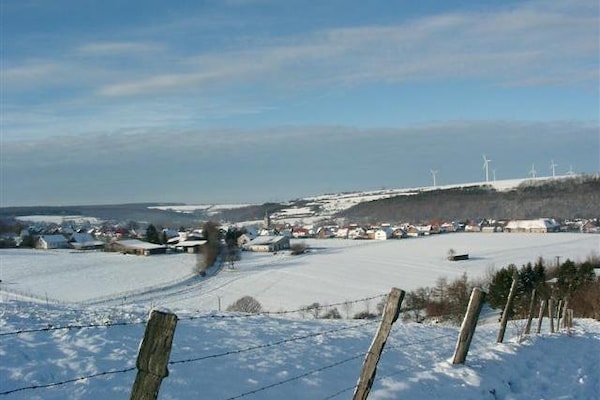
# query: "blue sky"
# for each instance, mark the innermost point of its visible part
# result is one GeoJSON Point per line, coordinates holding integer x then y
{"type": "Point", "coordinates": [261, 100]}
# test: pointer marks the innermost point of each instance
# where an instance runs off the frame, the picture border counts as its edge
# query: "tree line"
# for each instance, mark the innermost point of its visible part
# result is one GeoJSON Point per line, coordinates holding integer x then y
{"type": "Point", "coordinates": [570, 198]}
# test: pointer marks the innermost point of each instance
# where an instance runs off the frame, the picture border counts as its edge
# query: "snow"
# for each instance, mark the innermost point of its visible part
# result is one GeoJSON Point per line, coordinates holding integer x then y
{"type": "Point", "coordinates": [106, 298]}
{"type": "Point", "coordinates": [59, 219]}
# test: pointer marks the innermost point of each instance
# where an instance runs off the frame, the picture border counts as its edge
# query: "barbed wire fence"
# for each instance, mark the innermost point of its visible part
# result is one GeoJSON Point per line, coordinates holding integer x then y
{"type": "Point", "coordinates": [401, 346]}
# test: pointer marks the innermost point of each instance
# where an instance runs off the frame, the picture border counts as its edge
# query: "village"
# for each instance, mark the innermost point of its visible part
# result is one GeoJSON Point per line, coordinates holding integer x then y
{"type": "Point", "coordinates": [272, 234]}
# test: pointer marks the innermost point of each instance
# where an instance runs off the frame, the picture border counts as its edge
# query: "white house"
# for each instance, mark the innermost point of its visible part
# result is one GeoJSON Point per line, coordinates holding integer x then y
{"type": "Point", "coordinates": [52, 242]}
{"type": "Point", "coordinates": [383, 233]}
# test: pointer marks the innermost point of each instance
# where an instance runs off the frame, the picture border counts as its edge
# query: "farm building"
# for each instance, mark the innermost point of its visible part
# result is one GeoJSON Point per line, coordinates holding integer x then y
{"type": "Point", "coordinates": [52, 242]}
{"type": "Point", "coordinates": [540, 225]}
{"type": "Point", "coordinates": [190, 246]}
{"type": "Point", "coordinates": [85, 241]}
{"type": "Point", "coordinates": [137, 247]}
{"type": "Point", "coordinates": [268, 244]}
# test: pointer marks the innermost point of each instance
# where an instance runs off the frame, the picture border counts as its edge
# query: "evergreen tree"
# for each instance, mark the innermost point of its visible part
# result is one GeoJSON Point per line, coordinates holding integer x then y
{"type": "Point", "coordinates": [152, 234]}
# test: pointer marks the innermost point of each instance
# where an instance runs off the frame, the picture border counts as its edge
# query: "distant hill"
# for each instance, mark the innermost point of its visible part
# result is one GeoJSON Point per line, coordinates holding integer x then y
{"type": "Point", "coordinates": [563, 197]}
{"type": "Point", "coordinates": [577, 197]}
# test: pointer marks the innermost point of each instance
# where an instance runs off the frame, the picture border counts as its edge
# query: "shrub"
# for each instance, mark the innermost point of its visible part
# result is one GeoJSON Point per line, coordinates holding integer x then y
{"type": "Point", "coordinates": [332, 314]}
{"type": "Point", "coordinates": [298, 248]}
{"type": "Point", "coordinates": [247, 304]}
{"type": "Point", "coordinates": [365, 315]}
{"type": "Point", "coordinates": [314, 309]}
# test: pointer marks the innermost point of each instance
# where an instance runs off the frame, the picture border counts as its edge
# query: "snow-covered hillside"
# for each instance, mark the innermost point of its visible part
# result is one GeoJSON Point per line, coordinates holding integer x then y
{"type": "Point", "coordinates": [103, 301]}
{"type": "Point", "coordinates": [316, 208]}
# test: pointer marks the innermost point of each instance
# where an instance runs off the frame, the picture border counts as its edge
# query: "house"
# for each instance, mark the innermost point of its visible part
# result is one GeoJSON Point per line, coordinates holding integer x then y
{"type": "Point", "coordinates": [357, 232]}
{"type": "Point", "coordinates": [590, 226]}
{"type": "Point", "coordinates": [52, 242]}
{"type": "Point", "coordinates": [301, 232]}
{"type": "Point", "coordinates": [383, 233]}
{"type": "Point", "coordinates": [85, 241]}
{"type": "Point", "coordinates": [412, 231]}
{"type": "Point", "coordinates": [399, 233]}
{"type": "Point", "coordinates": [473, 227]}
{"type": "Point", "coordinates": [326, 232]}
{"type": "Point", "coordinates": [540, 225]}
{"type": "Point", "coordinates": [190, 246]}
{"type": "Point", "coordinates": [268, 244]}
{"type": "Point", "coordinates": [137, 247]}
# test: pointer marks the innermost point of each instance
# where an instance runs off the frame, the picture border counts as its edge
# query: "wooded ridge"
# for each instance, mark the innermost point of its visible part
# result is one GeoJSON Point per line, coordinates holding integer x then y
{"type": "Point", "coordinates": [577, 197]}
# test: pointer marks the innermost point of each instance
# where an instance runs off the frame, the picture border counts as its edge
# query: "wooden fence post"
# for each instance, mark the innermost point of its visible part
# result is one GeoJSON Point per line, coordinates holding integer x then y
{"type": "Point", "coordinates": [551, 314]}
{"type": "Point", "coordinates": [531, 310]}
{"type": "Point", "coordinates": [504, 320]}
{"type": "Point", "coordinates": [564, 313]}
{"type": "Point", "coordinates": [467, 328]}
{"type": "Point", "coordinates": [570, 318]}
{"type": "Point", "coordinates": [558, 314]}
{"type": "Point", "coordinates": [543, 304]}
{"type": "Point", "coordinates": [369, 368]}
{"type": "Point", "coordinates": [153, 355]}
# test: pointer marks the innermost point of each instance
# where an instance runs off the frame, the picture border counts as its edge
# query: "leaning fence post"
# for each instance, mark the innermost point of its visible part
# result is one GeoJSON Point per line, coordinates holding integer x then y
{"type": "Point", "coordinates": [505, 312]}
{"type": "Point", "coordinates": [531, 310]}
{"type": "Point", "coordinates": [369, 368]}
{"type": "Point", "coordinates": [467, 328]}
{"type": "Point", "coordinates": [541, 316]}
{"type": "Point", "coordinates": [153, 355]}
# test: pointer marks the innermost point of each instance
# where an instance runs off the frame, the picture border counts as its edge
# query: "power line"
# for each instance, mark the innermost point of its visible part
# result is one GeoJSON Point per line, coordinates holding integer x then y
{"type": "Point", "coordinates": [47, 385]}
{"type": "Point", "coordinates": [267, 345]}
{"type": "Point", "coordinates": [267, 313]}
{"type": "Point", "coordinates": [294, 378]}
{"type": "Point", "coordinates": [69, 327]}
{"type": "Point", "coordinates": [336, 394]}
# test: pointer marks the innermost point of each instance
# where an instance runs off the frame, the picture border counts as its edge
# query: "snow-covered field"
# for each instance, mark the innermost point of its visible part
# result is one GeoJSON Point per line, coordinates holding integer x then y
{"type": "Point", "coordinates": [264, 357]}
{"type": "Point", "coordinates": [333, 271]}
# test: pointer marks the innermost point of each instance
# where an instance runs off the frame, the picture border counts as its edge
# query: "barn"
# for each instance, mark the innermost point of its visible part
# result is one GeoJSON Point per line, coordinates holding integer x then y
{"type": "Point", "coordinates": [540, 225]}
{"type": "Point", "coordinates": [137, 247]}
{"type": "Point", "coordinates": [85, 241]}
{"type": "Point", "coordinates": [268, 244]}
{"type": "Point", "coordinates": [190, 246]}
{"type": "Point", "coordinates": [52, 242]}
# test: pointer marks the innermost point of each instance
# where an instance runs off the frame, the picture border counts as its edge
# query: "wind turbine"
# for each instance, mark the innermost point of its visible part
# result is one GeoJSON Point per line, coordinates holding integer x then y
{"type": "Point", "coordinates": [433, 174]}
{"type": "Point", "coordinates": [486, 166]}
{"type": "Point", "coordinates": [553, 168]}
{"type": "Point", "coordinates": [532, 171]}
{"type": "Point", "coordinates": [570, 171]}
{"type": "Point", "coordinates": [494, 175]}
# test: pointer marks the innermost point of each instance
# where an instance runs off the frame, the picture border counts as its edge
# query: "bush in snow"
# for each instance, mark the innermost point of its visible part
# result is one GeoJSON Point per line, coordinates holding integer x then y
{"type": "Point", "coordinates": [247, 304]}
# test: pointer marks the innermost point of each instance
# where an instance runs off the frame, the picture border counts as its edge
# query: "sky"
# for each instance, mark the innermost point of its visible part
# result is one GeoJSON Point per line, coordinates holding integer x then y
{"type": "Point", "coordinates": [237, 101]}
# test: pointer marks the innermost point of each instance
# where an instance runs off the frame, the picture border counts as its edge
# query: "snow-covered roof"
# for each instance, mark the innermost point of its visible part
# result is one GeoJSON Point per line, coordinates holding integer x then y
{"type": "Point", "coordinates": [138, 244]}
{"type": "Point", "coordinates": [82, 237]}
{"type": "Point", "coordinates": [191, 243]}
{"type": "Point", "coordinates": [53, 238]}
{"type": "Point", "coordinates": [266, 240]}
{"type": "Point", "coordinates": [547, 223]}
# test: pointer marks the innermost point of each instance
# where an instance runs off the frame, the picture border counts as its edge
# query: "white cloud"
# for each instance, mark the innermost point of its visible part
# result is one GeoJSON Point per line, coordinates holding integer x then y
{"type": "Point", "coordinates": [529, 45]}
{"type": "Point", "coordinates": [119, 48]}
